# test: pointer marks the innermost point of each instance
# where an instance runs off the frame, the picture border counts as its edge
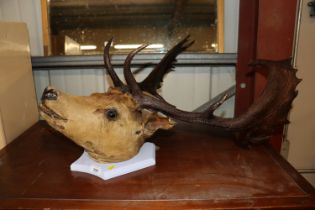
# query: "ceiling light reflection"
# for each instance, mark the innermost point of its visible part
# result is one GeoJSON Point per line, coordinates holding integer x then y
{"type": "Point", "coordinates": [87, 47]}
{"type": "Point", "coordinates": [134, 46]}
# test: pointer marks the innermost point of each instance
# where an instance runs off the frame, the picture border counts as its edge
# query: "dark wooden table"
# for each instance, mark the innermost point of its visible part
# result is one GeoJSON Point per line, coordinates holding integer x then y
{"type": "Point", "coordinates": [196, 169]}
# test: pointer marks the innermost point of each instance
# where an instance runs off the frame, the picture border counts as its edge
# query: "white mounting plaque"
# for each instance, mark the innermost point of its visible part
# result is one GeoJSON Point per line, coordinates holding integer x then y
{"type": "Point", "coordinates": [145, 158]}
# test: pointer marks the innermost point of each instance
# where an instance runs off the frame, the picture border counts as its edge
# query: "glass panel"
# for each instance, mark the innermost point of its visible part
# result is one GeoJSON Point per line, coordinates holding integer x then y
{"type": "Point", "coordinates": [82, 27]}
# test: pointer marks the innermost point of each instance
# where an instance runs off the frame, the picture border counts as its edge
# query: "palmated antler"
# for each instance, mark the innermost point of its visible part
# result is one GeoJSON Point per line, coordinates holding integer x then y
{"type": "Point", "coordinates": [260, 120]}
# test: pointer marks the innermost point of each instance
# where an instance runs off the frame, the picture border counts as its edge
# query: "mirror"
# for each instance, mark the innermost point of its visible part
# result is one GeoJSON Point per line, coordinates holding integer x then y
{"type": "Point", "coordinates": [82, 27]}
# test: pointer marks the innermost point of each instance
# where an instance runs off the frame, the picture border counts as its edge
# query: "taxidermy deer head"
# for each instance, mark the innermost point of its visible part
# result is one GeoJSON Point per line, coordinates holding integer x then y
{"type": "Point", "coordinates": [112, 126]}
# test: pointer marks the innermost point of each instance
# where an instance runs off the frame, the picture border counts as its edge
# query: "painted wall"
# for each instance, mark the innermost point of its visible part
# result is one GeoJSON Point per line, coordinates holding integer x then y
{"type": "Point", "coordinates": [18, 107]}
{"type": "Point", "coordinates": [29, 12]}
{"type": "Point", "coordinates": [301, 130]}
{"type": "Point", "coordinates": [187, 87]}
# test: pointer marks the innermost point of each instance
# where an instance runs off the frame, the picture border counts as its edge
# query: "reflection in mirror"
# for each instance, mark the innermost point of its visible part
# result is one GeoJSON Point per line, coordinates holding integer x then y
{"type": "Point", "coordinates": [82, 27]}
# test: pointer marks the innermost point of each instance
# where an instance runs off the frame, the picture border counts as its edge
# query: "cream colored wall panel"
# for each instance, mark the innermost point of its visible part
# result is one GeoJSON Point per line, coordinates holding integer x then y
{"type": "Point", "coordinates": [310, 177]}
{"type": "Point", "coordinates": [301, 130]}
{"type": "Point", "coordinates": [3, 140]}
{"type": "Point", "coordinates": [17, 93]}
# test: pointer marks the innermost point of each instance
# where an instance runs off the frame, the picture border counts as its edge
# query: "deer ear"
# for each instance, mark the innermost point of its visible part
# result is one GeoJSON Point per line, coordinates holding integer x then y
{"type": "Point", "coordinates": [154, 122]}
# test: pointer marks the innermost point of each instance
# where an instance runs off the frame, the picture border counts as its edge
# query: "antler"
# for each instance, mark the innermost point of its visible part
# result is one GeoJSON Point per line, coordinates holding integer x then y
{"type": "Point", "coordinates": [110, 70]}
{"type": "Point", "coordinates": [153, 81]}
{"type": "Point", "coordinates": [260, 120]}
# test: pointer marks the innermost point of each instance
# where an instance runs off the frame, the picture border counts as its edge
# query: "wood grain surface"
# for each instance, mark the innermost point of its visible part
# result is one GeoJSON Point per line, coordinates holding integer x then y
{"type": "Point", "coordinates": [196, 168]}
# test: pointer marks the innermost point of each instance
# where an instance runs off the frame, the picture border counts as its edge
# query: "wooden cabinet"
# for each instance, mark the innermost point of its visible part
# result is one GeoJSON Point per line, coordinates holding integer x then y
{"type": "Point", "coordinates": [197, 168]}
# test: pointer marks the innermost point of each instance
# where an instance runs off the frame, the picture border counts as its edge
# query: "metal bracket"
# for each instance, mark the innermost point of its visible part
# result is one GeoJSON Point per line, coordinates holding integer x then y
{"type": "Point", "coordinates": [311, 4]}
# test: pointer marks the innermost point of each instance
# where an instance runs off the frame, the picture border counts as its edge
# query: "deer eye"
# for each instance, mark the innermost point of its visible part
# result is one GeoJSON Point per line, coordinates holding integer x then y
{"type": "Point", "coordinates": [111, 114]}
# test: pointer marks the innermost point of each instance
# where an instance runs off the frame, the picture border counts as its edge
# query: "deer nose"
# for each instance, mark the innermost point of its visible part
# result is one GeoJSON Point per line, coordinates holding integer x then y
{"type": "Point", "coordinates": [49, 94]}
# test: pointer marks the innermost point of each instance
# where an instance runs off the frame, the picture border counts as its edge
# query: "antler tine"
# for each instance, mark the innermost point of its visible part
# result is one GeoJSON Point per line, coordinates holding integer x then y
{"type": "Point", "coordinates": [158, 103]}
{"type": "Point", "coordinates": [110, 70]}
{"type": "Point", "coordinates": [216, 105]}
{"type": "Point", "coordinates": [131, 81]}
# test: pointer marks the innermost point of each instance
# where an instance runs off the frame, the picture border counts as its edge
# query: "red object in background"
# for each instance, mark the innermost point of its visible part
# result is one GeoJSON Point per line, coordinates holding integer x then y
{"type": "Point", "coordinates": [247, 39]}
{"type": "Point", "coordinates": [266, 31]}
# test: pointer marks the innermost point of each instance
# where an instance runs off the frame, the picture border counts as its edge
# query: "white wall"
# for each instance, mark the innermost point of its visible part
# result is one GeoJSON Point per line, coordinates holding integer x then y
{"type": "Point", "coordinates": [186, 87]}
{"type": "Point", "coordinates": [28, 11]}
{"type": "Point", "coordinates": [231, 14]}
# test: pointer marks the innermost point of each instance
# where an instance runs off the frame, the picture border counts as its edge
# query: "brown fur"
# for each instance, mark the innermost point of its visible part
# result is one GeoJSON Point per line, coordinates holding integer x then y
{"type": "Point", "coordinates": [83, 119]}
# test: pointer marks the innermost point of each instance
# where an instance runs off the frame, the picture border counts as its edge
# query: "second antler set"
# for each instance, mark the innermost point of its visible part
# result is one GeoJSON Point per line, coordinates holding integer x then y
{"type": "Point", "coordinates": [268, 112]}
